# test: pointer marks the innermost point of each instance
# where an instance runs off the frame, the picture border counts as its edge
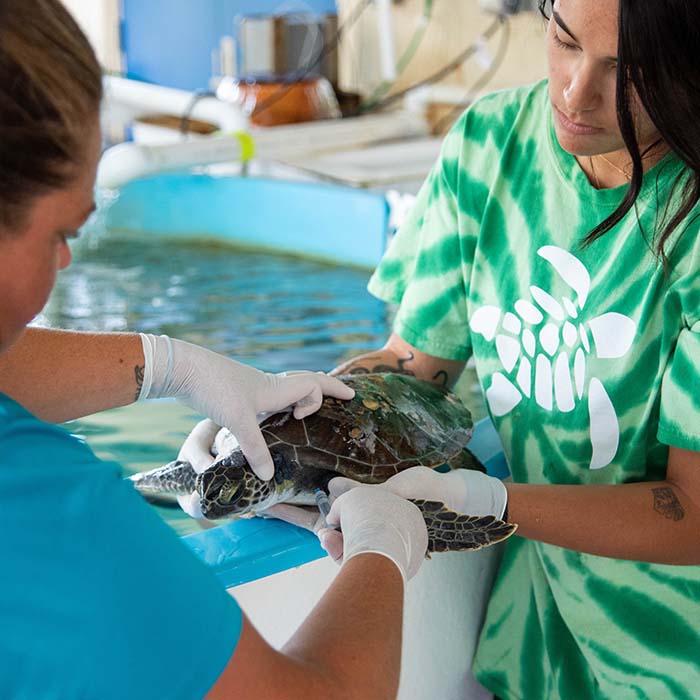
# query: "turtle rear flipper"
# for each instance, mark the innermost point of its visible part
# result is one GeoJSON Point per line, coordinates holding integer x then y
{"type": "Point", "coordinates": [449, 531]}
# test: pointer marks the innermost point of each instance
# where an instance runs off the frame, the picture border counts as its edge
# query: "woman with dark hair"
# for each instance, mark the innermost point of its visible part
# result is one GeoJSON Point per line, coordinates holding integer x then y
{"type": "Point", "coordinates": [556, 243]}
{"type": "Point", "coordinates": [99, 599]}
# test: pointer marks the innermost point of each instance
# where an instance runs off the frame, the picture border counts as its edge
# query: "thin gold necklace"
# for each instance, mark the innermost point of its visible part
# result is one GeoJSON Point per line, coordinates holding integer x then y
{"type": "Point", "coordinates": [612, 165]}
{"type": "Point", "coordinates": [595, 174]}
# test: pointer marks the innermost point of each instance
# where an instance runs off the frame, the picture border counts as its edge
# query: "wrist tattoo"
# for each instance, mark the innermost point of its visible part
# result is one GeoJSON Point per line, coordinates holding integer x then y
{"type": "Point", "coordinates": [666, 503]}
{"type": "Point", "coordinates": [138, 376]}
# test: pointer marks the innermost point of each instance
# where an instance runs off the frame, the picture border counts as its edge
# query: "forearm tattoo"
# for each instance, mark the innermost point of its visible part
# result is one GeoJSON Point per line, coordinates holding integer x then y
{"type": "Point", "coordinates": [138, 376]}
{"type": "Point", "coordinates": [441, 378]}
{"type": "Point", "coordinates": [666, 503]}
{"type": "Point", "coordinates": [399, 369]}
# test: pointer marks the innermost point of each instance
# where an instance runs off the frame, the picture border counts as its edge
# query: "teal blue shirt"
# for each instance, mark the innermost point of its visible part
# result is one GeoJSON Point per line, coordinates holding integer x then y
{"type": "Point", "coordinates": [99, 599]}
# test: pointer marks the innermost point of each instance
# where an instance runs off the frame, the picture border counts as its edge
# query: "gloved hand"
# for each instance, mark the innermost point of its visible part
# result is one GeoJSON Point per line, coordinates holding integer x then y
{"type": "Point", "coordinates": [375, 520]}
{"type": "Point", "coordinates": [197, 450]}
{"type": "Point", "coordinates": [231, 393]}
{"type": "Point", "coordinates": [462, 490]}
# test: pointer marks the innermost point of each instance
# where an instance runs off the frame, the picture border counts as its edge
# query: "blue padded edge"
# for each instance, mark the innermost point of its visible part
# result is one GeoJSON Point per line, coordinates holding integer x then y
{"type": "Point", "coordinates": [339, 224]}
{"type": "Point", "coordinates": [486, 446]}
{"type": "Point", "coordinates": [246, 550]}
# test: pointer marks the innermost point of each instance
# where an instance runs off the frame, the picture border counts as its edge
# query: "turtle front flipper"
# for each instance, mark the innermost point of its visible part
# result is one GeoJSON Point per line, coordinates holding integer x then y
{"type": "Point", "coordinates": [466, 459]}
{"type": "Point", "coordinates": [449, 531]}
{"type": "Point", "coordinates": [163, 485]}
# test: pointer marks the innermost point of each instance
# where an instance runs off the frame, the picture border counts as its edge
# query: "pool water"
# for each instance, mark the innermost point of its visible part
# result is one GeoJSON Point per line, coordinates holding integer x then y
{"type": "Point", "coordinates": [276, 313]}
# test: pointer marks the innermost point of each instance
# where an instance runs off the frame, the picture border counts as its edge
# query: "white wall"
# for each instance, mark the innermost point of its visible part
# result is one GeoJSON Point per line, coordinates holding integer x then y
{"type": "Point", "coordinates": [99, 19]}
{"type": "Point", "coordinates": [454, 25]}
{"type": "Point", "coordinates": [444, 610]}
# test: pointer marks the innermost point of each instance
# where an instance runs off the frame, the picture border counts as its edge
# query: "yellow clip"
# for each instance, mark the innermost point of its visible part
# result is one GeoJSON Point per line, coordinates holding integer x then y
{"type": "Point", "coordinates": [247, 145]}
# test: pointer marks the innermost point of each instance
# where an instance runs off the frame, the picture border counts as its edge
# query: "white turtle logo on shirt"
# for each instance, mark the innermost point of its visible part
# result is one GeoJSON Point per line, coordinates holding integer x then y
{"type": "Point", "coordinates": [558, 329]}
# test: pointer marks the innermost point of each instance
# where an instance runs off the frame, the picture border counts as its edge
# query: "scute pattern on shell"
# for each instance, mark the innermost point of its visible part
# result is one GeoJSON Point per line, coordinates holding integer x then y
{"type": "Point", "coordinates": [394, 422]}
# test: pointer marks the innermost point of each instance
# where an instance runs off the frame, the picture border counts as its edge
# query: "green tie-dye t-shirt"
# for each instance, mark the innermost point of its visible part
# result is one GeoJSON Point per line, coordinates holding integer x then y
{"type": "Point", "coordinates": [589, 359]}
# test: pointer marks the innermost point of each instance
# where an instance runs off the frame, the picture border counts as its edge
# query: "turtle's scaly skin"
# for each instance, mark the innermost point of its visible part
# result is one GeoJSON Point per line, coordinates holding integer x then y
{"type": "Point", "coordinates": [394, 422]}
{"type": "Point", "coordinates": [449, 531]}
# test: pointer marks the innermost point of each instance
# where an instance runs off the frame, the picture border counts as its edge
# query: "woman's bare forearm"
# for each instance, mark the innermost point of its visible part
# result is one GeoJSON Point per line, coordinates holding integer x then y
{"type": "Point", "coordinates": [654, 522]}
{"type": "Point", "coordinates": [62, 375]}
{"type": "Point", "coordinates": [399, 356]}
{"type": "Point", "coordinates": [349, 647]}
{"type": "Point", "coordinates": [354, 624]}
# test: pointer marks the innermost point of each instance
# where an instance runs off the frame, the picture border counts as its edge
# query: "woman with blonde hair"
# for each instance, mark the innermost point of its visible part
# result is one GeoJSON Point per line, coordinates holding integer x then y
{"type": "Point", "coordinates": [98, 597]}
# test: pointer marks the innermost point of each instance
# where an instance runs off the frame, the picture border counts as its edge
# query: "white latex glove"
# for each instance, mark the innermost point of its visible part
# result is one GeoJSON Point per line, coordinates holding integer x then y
{"type": "Point", "coordinates": [376, 521]}
{"type": "Point", "coordinates": [463, 490]}
{"type": "Point", "coordinates": [197, 450]}
{"type": "Point", "coordinates": [232, 394]}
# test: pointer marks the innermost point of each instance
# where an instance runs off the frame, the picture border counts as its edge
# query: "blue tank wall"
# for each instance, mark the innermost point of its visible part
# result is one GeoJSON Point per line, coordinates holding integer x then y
{"type": "Point", "coordinates": [337, 224]}
{"type": "Point", "coordinates": [169, 42]}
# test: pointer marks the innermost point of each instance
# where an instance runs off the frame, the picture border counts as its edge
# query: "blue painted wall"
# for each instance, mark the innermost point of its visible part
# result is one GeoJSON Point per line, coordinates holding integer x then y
{"type": "Point", "coordinates": [169, 42]}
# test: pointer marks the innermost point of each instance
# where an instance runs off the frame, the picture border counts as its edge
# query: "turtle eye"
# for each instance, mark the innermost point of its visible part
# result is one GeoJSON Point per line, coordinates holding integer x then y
{"type": "Point", "coordinates": [220, 490]}
{"type": "Point", "coordinates": [229, 494]}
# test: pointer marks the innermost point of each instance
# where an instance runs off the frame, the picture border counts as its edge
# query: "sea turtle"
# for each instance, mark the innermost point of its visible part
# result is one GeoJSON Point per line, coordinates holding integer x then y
{"type": "Point", "coordinates": [394, 422]}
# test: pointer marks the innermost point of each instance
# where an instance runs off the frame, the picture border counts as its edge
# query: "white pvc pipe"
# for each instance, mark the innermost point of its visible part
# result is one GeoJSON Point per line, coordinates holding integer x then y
{"type": "Point", "coordinates": [387, 48]}
{"type": "Point", "coordinates": [229, 64]}
{"type": "Point", "coordinates": [128, 161]}
{"type": "Point", "coordinates": [336, 134]}
{"type": "Point", "coordinates": [135, 98]}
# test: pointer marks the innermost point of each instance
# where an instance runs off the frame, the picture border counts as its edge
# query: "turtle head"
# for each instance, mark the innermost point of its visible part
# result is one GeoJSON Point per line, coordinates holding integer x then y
{"type": "Point", "coordinates": [230, 487]}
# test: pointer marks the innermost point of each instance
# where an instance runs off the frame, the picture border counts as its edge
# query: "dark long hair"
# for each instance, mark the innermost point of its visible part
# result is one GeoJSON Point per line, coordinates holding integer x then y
{"type": "Point", "coordinates": [50, 87]}
{"type": "Point", "coordinates": [658, 57]}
